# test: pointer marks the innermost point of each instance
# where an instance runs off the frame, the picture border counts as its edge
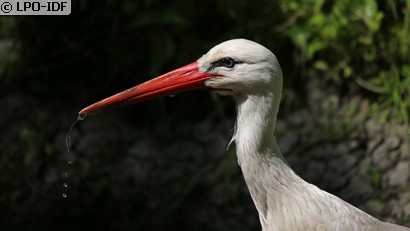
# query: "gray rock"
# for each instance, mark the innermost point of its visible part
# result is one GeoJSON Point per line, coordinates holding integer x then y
{"type": "Point", "coordinates": [358, 188]}
{"type": "Point", "coordinates": [406, 210]}
{"type": "Point", "coordinates": [373, 127]}
{"type": "Point", "coordinates": [375, 206]}
{"type": "Point", "coordinates": [343, 163]}
{"type": "Point", "coordinates": [333, 181]}
{"type": "Point", "coordinates": [341, 150]}
{"type": "Point", "coordinates": [352, 144]}
{"type": "Point", "coordinates": [405, 151]}
{"type": "Point", "coordinates": [404, 199]}
{"type": "Point", "coordinates": [322, 151]}
{"type": "Point", "coordinates": [400, 175]}
{"type": "Point", "coordinates": [380, 157]}
{"type": "Point", "coordinates": [392, 142]}
{"type": "Point", "coordinates": [374, 142]}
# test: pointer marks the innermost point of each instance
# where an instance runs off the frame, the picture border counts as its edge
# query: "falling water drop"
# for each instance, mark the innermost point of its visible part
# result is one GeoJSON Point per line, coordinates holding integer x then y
{"type": "Point", "coordinates": [171, 96]}
{"type": "Point", "coordinates": [68, 139]}
{"type": "Point", "coordinates": [70, 162]}
{"type": "Point", "coordinates": [81, 117]}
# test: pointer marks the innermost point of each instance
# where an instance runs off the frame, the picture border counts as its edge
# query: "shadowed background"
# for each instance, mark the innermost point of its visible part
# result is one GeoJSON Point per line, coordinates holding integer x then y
{"type": "Point", "coordinates": [164, 164]}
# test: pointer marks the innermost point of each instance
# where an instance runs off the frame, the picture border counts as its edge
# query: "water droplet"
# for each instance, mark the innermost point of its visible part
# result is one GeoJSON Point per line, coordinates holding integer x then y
{"type": "Point", "coordinates": [81, 117]}
{"type": "Point", "coordinates": [68, 139]}
{"type": "Point", "coordinates": [66, 174]}
{"type": "Point", "coordinates": [68, 143]}
{"type": "Point", "coordinates": [171, 96]}
{"type": "Point", "coordinates": [70, 160]}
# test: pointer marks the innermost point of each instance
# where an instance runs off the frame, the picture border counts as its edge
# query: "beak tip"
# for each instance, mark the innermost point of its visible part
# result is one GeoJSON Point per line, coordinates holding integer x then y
{"type": "Point", "coordinates": [82, 112]}
{"type": "Point", "coordinates": [85, 111]}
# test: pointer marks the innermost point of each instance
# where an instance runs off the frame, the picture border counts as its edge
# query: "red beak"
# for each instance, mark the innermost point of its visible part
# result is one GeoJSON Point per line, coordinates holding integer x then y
{"type": "Point", "coordinates": [185, 78]}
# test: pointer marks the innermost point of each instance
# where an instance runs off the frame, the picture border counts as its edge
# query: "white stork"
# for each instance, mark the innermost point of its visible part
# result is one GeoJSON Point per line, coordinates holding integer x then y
{"type": "Point", "coordinates": [251, 74]}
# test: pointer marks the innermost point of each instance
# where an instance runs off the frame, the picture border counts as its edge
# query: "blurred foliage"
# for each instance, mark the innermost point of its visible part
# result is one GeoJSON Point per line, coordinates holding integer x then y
{"type": "Point", "coordinates": [365, 41]}
{"type": "Point", "coordinates": [8, 48]}
{"type": "Point", "coordinates": [36, 146]}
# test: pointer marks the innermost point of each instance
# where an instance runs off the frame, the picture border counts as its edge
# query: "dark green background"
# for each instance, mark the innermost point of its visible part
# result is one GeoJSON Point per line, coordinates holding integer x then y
{"type": "Point", "coordinates": [52, 66]}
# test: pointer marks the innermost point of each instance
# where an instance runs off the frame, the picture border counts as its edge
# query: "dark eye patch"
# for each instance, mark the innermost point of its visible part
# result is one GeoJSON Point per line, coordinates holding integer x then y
{"type": "Point", "coordinates": [227, 62]}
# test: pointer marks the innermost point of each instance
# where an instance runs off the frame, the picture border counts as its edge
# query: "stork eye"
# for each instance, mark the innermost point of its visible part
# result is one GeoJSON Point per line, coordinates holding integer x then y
{"type": "Point", "coordinates": [228, 62]}
{"type": "Point", "coordinates": [224, 62]}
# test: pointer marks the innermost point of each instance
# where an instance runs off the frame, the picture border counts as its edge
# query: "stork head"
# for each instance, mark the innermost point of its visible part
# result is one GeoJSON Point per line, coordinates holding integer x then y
{"type": "Point", "coordinates": [241, 67]}
{"type": "Point", "coordinates": [236, 67]}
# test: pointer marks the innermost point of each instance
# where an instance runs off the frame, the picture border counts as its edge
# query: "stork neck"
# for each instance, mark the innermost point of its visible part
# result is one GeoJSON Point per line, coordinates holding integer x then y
{"type": "Point", "coordinates": [263, 166]}
{"type": "Point", "coordinates": [256, 126]}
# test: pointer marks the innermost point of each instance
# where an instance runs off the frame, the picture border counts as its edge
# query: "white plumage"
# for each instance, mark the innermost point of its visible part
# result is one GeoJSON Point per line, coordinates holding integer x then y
{"type": "Point", "coordinates": [283, 199]}
{"type": "Point", "coordinates": [252, 75]}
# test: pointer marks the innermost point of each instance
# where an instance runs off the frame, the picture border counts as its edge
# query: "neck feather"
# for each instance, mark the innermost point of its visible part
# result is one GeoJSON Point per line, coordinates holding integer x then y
{"type": "Point", "coordinates": [265, 170]}
{"type": "Point", "coordinates": [255, 127]}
